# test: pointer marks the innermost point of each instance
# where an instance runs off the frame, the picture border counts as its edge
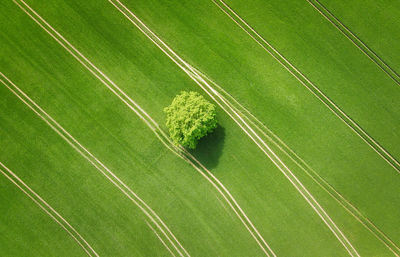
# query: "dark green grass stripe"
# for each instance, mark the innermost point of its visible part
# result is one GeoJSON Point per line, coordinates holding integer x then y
{"type": "Point", "coordinates": [355, 40]}
{"type": "Point", "coordinates": [309, 85]}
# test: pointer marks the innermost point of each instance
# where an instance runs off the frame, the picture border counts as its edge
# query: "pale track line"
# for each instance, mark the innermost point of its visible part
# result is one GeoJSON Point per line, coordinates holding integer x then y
{"type": "Point", "coordinates": [113, 84]}
{"type": "Point", "coordinates": [155, 42]}
{"type": "Point", "coordinates": [87, 155]}
{"type": "Point", "coordinates": [328, 15]}
{"type": "Point", "coordinates": [159, 238]}
{"type": "Point", "coordinates": [356, 214]}
{"type": "Point", "coordinates": [310, 171]}
{"type": "Point", "coordinates": [193, 74]}
{"type": "Point", "coordinates": [313, 89]}
{"type": "Point", "coordinates": [186, 153]}
{"type": "Point", "coordinates": [154, 128]}
{"type": "Point", "coordinates": [287, 172]}
{"type": "Point", "coordinates": [254, 233]}
{"type": "Point", "coordinates": [159, 133]}
{"type": "Point", "coordinates": [50, 211]}
{"type": "Point", "coordinates": [304, 166]}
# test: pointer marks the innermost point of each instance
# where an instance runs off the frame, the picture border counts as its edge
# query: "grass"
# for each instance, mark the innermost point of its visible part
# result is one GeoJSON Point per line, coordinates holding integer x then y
{"type": "Point", "coordinates": [376, 24]}
{"type": "Point", "coordinates": [191, 207]}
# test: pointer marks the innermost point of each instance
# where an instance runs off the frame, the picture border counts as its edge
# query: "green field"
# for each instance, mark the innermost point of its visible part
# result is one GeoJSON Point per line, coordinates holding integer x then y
{"type": "Point", "coordinates": [305, 161]}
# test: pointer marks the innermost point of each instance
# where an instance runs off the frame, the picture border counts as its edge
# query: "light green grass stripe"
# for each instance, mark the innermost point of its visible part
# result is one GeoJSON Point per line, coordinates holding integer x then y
{"type": "Point", "coordinates": [47, 209]}
{"type": "Point", "coordinates": [309, 85]}
{"type": "Point", "coordinates": [355, 40]}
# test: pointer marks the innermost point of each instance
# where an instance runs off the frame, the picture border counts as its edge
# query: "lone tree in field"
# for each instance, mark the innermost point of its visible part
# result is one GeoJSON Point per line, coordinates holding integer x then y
{"type": "Point", "coordinates": [189, 118]}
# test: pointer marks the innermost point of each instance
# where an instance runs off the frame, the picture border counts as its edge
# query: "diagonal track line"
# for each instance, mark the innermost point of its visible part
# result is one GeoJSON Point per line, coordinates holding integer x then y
{"type": "Point", "coordinates": [149, 122]}
{"type": "Point", "coordinates": [89, 157]}
{"type": "Point", "coordinates": [154, 38]}
{"type": "Point", "coordinates": [48, 209]}
{"type": "Point", "coordinates": [182, 64]}
{"type": "Point", "coordinates": [281, 166]}
{"type": "Point", "coordinates": [160, 238]}
{"type": "Point", "coordinates": [285, 149]}
{"type": "Point", "coordinates": [106, 81]}
{"type": "Point", "coordinates": [309, 85]}
{"type": "Point", "coordinates": [191, 72]}
{"type": "Point", "coordinates": [328, 15]}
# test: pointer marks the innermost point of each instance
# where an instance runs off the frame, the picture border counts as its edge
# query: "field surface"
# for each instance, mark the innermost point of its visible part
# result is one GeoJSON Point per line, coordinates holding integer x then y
{"type": "Point", "coordinates": [305, 161]}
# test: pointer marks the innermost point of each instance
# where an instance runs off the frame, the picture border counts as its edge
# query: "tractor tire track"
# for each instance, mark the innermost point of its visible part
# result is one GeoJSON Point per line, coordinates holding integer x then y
{"type": "Point", "coordinates": [328, 15]}
{"type": "Point", "coordinates": [191, 72]}
{"type": "Point", "coordinates": [144, 117]}
{"type": "Point", "coordinates": [55, 126]}
{"type": "Point", "coordinates": [307, 169]}
{"type": "Point", "coordinates": [360, 132]}
{"type": "Point", "coordinates": [64, 224]}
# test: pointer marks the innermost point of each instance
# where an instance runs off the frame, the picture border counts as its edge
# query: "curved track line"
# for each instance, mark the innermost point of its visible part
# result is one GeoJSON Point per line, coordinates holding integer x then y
{"type": "Point", "coordinates": [88, 156]}
{"type": "Point", "coordinates": [310, 86]}
{"type": "Point", "coordinates": [191, 72]}
{"type": "Point", "coordinates": [328, 15]}
{"type": "Point", "coordinates": [48, 210]}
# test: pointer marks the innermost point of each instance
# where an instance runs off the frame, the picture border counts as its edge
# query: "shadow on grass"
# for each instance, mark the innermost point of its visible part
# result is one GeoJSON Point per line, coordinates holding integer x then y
{"type": "Point", "coordinates": [209, 148]}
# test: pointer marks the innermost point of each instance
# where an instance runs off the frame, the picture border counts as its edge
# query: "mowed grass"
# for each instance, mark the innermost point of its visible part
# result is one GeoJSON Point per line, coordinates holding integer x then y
{"type": "Point", "coordinates": [190, 206]}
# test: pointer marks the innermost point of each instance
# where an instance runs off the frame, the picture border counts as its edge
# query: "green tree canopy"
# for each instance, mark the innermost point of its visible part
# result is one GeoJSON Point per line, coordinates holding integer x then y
{"type": "Point", "coordinates": [189, 118]}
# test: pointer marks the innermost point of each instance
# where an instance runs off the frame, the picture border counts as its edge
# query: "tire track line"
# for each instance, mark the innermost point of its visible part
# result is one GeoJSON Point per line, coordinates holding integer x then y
{"type": "Point", "coordinates": [328, 15]}
{"type": "Point", "coordinates": [284, 169]}
{"type": "Point", "coordinates": [270, 136]}
{"type": "Point", "coordinates": [103, 78]}
{"type": "Point", "coordinates": [161, 240]}
{"type": "Point", "coordinates": [309, 85]}
{"type": "Point", "coordinates": [48, 210]}
{"type": "Point", "coordinates": [88, 156]}
{"type": "Point", "coordinates": [191, 72]}
{"type": "Point", "coordinates": [145, 30]}
{"type": "Point", "coordinates": [140, 112]}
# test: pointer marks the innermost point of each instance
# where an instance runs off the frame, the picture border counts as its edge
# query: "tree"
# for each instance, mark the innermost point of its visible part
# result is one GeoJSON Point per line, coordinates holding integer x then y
{"type": "Point", "coordinates": [189, 118]}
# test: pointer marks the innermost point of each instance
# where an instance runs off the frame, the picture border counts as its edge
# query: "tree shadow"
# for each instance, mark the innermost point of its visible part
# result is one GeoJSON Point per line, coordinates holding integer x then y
{"type": "Point", "coordinates": [209, 148]}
